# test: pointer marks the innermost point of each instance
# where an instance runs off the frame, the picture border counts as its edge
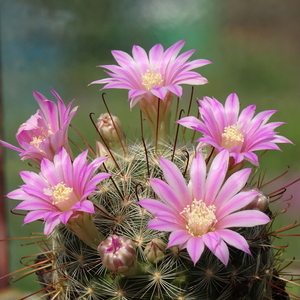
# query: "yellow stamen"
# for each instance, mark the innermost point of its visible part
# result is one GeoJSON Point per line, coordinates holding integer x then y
{"type": "Point", "coordinates": [36, 140]}
{"type": "Point", "coordinates": [151, 78]}
{"type": "Point", "coordinates": [232, 137]}
{"type": "Point", "coordinates": [200, 218]}
{"type": "Point", "coordinates": [60, 196]}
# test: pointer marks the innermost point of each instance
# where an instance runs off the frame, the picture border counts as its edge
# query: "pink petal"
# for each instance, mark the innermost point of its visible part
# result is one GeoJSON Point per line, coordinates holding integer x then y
{"type": "Point", "coordinates": [161, 225]}
{"type": "Point", "coordinates": [246, 116]}
{"type": "Point", "coordinates": [97, 179]}
{"type": "Point", "coordinates": [34, 215]}
{"type": "Point", "coordinates": [134, 93]}
{"type": "Point", "coordinates": [191, 78]}
{"type": "Point", "coordinates": [175, 179]}
{"type": "Point", "coordinates": [232, 186]}
{"type": "Point", "coordinates": [140, 56]}
{"type": "Point", "coordinates": [260, 119]}
{"type": "Point", "coordinates": [10, 146]}
{"type": "Point", "coordinates": [86, 206]}
{"type": "Point", "coordinates": [197, 63]}
{"type": "Point", "coordinates": [238, 157]}
{"type": "Point", "coordinates": [171, 53]}
{"type": "Point", "coordinates": [63, 166]}
{"type": "Point", "coordinates": [208, 140]}
{"type": "Point", "coordinates": [159, 92]}
{"type": "Point", "coordinates": [216, 176]}
{"type": "Point", "coordinates": [178, 237]}
{"type": "Point", "coordinates": [167, 194]}
{"type": "Point", "coordinates": [175, 89]}
{"type": "Point", "coordinates": [245, 218]}
{"type": "Point", "coordinates": [122, 58]}
{"type": "Point", "coordinates": [198, 175]}
{"type": "Point", "coordinates": [19, 194]}
{"type": "Point", "coordinates": [232, 107]}
{"type": "Point", "coordinates": [281, 139]}
{"type": "Point", "coordinates": [52, 214]}
{"type": "Point", "coordinates": [134, 101]}
{"type": "Point", "coordinates": [179, 65]}
{"type": "Point", "coordinates": [234, 239]}
{"type": "Point", "coordinates": [170, 217]}
{"type": "Point", "coordinates": [155, 55]}
{"type": "Point", "coordinates": [64, 217]}
{"type": "Point", "coordinates": [213, 115]}
{"type": "Point", "coordinates": [48, 171]}
{"type": "Point", "coordinates": [50, 225]}
{"type": "Point", "coordinates": [34, 205]}
{"type": "Point", "coordinates": [114, 85]}
{"type": "Point", "coordinates": [237, 202]}
{"type": "Point", "coordinates": [33, 179]}
{"type": "Point", "coordinates": [193, 123]}
{"type": "Point", "coordinates": [35, 192]}
{"type": "Point", "coordinates": [251, 157]}
{"type": "Point", "coordinates": [154, 206]}
{"type": "Point", "coordinates": [217, 246]}
{"type": "Point", "coordinates": [195, 248]}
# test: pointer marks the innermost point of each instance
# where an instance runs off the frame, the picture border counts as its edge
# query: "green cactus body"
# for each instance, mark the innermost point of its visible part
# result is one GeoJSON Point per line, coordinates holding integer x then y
{"type": "Point", "coordinates": [79, 269]}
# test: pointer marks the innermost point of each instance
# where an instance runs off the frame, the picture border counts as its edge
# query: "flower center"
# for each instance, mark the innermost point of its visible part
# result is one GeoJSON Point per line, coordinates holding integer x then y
{"type": "Point", "coordinates": [151, 78]}
{"type": "Point", "coordinates": [36, 140]}
{"type": "Point", "coordinates": [232, 137]}
{"type": "Point", "coordinates": [200, 218]}
{"type": "Point", "coordinates": [60, 196]}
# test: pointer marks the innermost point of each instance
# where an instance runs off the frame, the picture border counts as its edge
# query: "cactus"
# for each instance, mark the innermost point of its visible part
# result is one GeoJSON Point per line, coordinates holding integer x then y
{"type": "Point", "coordinates": [171, 274]}
{"type": "Point", "coordinates": [160, 218]}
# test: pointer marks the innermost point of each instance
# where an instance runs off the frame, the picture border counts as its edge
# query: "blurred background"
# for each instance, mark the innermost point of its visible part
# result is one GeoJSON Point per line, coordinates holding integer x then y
{"type": "Point", "coordinates": [254, 46]}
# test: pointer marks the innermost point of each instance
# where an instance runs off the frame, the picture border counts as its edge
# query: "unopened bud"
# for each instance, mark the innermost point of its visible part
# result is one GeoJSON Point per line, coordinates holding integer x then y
{"type": "Point", "coordinates": [174, 251]}
{"type": "Point", "coordinates": [117, 253]}
{"type": "Point", "coordinates": [260, 202]}
{"type": "Point", "coordinates": [111, 130]}
{"type": "Point", "coordinates": [154, 250]}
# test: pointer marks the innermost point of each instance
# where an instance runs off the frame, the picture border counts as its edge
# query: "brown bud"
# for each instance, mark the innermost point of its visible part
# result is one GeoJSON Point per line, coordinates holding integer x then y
{"type": "Point", "coordinates": [154, 250]}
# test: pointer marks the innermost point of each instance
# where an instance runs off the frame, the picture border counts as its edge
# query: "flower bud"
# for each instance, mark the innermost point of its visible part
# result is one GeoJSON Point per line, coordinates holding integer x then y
{"type": "Point", "coordinates": [84, 227]}
{"type": "Point", "coordinates": [154, 250]}
{"type": "Point", "coordinates": [101, 150]}
{"type": "Point", "coordinates": [111, 130]}
{"type": "Point", "coordinates": [117, 253]}
{"type": "Point", "coordinates": [260, 202]}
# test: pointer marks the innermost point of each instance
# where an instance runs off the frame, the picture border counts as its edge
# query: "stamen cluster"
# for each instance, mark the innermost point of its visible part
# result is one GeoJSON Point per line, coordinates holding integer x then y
{"type": "Point", "coordinates": [232, 137]}
{"type": "Point", "coordinates": [151, 79]}
{"type": "Point", "coordinates": [200, 218]}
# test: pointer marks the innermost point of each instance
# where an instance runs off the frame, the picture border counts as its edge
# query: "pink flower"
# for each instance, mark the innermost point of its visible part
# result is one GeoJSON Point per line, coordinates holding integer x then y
{"type": "Point", "coordinates": [224, 128]}
{"type": "Point", "coordinates": [152, 77]}
{"type": "Point", "coordinates": [60, 191]}
{"type": "Point", "coordinates": [201, 213]}
{"type": "Point", "coordinates": [155, 74]}
{"type": "Point", "coordinates": [46, 131]}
